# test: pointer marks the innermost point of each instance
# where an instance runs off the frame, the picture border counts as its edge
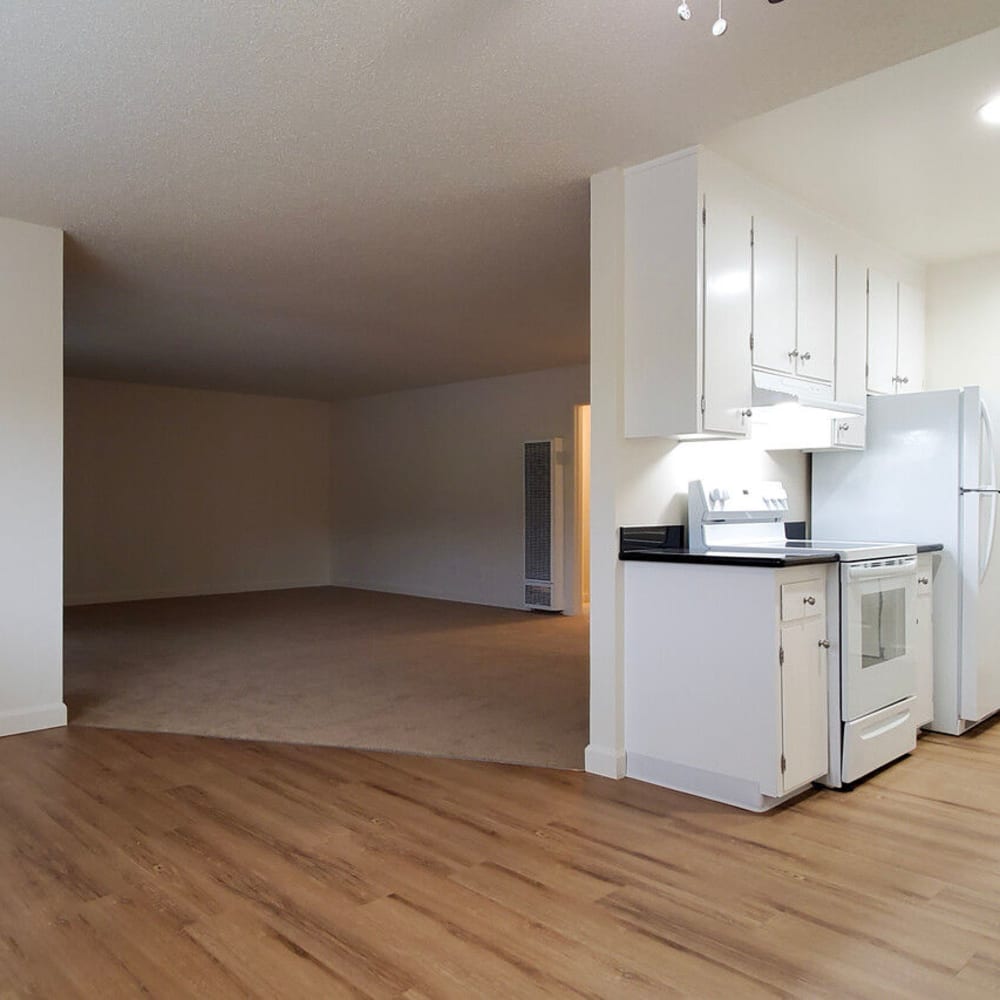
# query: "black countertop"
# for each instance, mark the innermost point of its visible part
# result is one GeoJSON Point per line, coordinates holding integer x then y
{"type": "Point", "coordinates": [666, 543]}
{"type": "Point", "coordinates": [723, 557]}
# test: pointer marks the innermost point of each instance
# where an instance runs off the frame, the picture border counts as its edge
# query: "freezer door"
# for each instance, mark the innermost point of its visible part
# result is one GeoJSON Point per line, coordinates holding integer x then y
{"type": "Point", "coordinates": [979, 683]}
{"type": "Point", "coordinates": [979, 458]}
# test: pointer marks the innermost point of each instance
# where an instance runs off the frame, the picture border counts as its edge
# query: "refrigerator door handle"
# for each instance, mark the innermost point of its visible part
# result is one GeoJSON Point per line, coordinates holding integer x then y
{"type": "Point", "coordinates": [991, 535]}
{"type": "Point", "coordinates": [984, 416]}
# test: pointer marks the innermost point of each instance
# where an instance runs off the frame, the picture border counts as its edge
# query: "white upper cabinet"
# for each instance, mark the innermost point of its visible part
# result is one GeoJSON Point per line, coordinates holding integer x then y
{"type": "Point", "coordinates": [729, 293]}
{"type": "Point", "coordinates": [910, 352]}
{"type": "Point", "coordinates": [794, 302]}
{"type": "Point", "coordinates": [774, 268]}
{"type": "Point", "coordinates": [816, 326]}
{"type": "Point", "coordinates": [852, 331]}
{"type": "Point", "coordinates": [883, 331]}
{"type": "Point", "coordinates": [727, 315]}
{"type": "Point", "coordinates": [686, 300]}
{"type": "Point", "coordinates": [895, 335]}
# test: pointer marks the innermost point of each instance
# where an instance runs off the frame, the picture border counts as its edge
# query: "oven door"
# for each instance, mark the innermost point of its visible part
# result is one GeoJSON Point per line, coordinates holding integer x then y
{"type": "Point", "coordinates": [878, 664]}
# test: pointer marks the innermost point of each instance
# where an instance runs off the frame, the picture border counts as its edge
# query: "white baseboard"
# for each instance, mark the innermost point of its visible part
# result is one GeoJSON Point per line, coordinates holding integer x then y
{"type": "Point", "coordinates": [604, 761]}
{"type": "Point", "coordinates": [121, 596]}
{"type": "Point", "coordinates": [28, 720]}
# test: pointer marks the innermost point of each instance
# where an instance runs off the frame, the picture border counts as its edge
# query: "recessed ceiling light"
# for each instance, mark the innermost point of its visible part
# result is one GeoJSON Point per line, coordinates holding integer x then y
{"type": "Point", "coordinates": [990, 112]}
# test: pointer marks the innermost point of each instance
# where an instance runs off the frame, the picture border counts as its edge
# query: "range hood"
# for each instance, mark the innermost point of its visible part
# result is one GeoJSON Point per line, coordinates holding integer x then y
{"type": "Point", "coordinates": [774, 388]}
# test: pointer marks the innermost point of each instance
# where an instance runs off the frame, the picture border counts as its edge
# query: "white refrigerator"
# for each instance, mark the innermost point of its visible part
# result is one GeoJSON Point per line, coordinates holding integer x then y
{"type": "Point", "coordinates": [929, 474]}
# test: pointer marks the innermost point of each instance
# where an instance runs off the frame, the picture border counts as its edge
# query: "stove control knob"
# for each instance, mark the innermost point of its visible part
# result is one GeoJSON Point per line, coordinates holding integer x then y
{"type": "Point", "coordinates": [715, 497]}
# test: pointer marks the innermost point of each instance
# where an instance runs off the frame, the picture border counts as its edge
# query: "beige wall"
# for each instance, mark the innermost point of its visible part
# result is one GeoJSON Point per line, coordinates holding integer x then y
{"type": "Point", "coordinates": [181, 491]}
{"type": "Point", "coordinates": [963, 323]}
{"type": "Point", "coordinates": [31, 437]}
{"type": "Point", "coordinates": [428, 485]}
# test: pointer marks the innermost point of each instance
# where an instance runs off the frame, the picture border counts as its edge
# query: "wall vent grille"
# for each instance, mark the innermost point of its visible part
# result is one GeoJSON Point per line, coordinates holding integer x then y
{"type": "Point", "coordinates": [543, 523]}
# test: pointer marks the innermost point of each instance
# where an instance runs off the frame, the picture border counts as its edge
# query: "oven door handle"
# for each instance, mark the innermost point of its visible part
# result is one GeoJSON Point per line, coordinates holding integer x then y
{"type": "Point", "coordinates": [905, 567]}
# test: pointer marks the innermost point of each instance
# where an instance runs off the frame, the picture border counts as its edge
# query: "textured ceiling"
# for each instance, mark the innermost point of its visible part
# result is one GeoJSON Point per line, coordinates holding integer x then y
{"type": "Point", "coordinates": [900, 154]}
{"type": "Point", "coordinates": [329, 198]}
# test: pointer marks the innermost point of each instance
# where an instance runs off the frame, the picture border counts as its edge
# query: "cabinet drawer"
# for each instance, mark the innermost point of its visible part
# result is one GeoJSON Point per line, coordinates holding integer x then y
{"type": "Point", "coordinates": [802, 600]}
{"type": "Point", "coordinates": [848, 432]}
{"type": "Point", "coordinates": [878, 738]}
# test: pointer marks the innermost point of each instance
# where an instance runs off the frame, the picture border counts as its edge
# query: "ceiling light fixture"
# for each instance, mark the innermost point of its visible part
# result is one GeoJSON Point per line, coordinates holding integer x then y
{"type": "Point", "coordinates": [719, 28]}
{"type": "Point", "coordinates": [990, 112]}
{"type": "Point", "coordinates": [721, 24]}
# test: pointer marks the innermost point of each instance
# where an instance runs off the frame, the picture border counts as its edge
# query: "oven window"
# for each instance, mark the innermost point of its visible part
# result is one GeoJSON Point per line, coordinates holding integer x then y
{"type": "Point", "coordinates": [883, 626]}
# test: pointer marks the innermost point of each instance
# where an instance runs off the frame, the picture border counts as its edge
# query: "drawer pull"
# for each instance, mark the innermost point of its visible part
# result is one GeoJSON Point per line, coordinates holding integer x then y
{"type": "Point", "coordinates": [924, 580]}
{"type": "Point", "coordinates": [809, 600]}
{"type": "Point", "coordinates": [824, 643]}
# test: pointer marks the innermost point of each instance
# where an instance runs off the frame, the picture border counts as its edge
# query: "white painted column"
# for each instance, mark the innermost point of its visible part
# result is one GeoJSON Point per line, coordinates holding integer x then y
{"type": "Point", "coordinates": [606, 751]}
{"type": "Point", "coordinates": [31, 435]}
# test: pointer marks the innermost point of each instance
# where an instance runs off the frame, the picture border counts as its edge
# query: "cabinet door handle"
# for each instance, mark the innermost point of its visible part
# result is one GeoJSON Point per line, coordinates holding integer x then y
{"type": "Point", "coordinates": [924, 580]}
{"type": "Point", "coordinates": [809, 600]}
{"type": "Point", "coordinates": [824, 643]}
{"type": "Point", "coordinates": [793, 354]}
{"type": "Point", "coordinates": [843, 427]}
{"type": "Point", "coordinates": [746, 413]}
{"type": "Point", "coordinates": [805, 357]}
{"type": "Point", "coordinates": [905, 380]}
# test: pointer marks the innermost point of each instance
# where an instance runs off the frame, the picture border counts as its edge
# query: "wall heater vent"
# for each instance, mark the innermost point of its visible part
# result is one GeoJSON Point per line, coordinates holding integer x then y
{"type": "Point", "coordinates": [543, 525]}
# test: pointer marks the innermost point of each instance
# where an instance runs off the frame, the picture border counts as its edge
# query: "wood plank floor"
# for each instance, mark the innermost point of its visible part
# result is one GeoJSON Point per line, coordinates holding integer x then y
{"type": "Point", "coordinates": [174, 866]}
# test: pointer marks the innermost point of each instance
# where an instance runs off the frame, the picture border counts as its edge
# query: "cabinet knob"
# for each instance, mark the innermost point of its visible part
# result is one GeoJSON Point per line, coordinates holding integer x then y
{"type": "Point", "coordinates": [805, 357]}
{"type": "Point", "coordinates": [905, 380]}
{"type": "Point", "coordinates": [809, 600]}
{"type": "Point", "coordinates": [793, 354]}
{"type": "Point", "coordinates": [746, 413]}
{"type": "Point", "coordinates": [824, 643]}
{"type": "Point", "coordinates": [924, 580]}
{"type": "Point", "coordinates": [843, 427]}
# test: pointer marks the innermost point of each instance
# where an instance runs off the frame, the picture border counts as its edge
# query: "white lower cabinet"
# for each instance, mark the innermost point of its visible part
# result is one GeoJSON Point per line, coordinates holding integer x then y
{"type": "Point", "coordinates": [726, 679]}
{"type": "Point", "coordinates": [804, 691]}
{"type": "Point", "coordinates": [923, 645]}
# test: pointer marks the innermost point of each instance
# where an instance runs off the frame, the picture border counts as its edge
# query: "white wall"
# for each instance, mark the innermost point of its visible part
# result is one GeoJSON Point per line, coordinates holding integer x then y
{"type": "Point", "coordinates": [963, 323]}
{"type": "Point", "coordinates": [173, 492]}
{"type": "Point", "coordinates": [31, 492]}
{"type": "Point", "coordinates": [428, 485]}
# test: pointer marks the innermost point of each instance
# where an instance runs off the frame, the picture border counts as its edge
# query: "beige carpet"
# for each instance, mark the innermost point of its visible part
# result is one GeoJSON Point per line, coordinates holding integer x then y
{"type": "Point", "coordinates": [336, 667]}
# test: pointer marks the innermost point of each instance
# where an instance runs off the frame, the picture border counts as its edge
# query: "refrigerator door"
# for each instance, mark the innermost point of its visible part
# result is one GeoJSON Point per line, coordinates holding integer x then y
{"type": "Point", "coordinates": [904, 487]}
{"type": "Point", "coordinates": [979, 682]}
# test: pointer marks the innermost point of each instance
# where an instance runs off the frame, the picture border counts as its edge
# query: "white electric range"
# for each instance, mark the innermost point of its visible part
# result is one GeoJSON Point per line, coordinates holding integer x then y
{"type": "Point", "coordinates": [871, 605]}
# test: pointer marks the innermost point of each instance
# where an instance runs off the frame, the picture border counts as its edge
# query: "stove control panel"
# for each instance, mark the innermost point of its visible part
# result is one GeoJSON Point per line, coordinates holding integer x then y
{"type": "Point", "coordinates": [740, 501]}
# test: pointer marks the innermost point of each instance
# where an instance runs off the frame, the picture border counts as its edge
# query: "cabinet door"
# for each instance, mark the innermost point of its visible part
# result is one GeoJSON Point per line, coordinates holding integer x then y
{"type": "Point", "coordinates": [852, 331]}
{"type": "Point", "coordinates": [923, 640]}
{"type": "Point", "coordinates": [910, 363]}
{"type": "Point", "coordinates": [804, 718]}
{"type": "Point", "coordinates": [817, 310]}
{"type": "Point", "coordinates": [726, 370]}
{"type": "Point", "coordinates": [883, 327]}
{"type": "Point", "coordinates": [774, 267]}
